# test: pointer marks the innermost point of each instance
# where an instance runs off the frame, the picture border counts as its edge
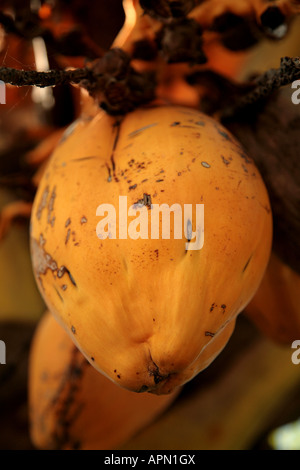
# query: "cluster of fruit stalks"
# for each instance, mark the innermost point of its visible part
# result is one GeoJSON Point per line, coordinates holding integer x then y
{"type": "Point", "coordinates": [119, 88]}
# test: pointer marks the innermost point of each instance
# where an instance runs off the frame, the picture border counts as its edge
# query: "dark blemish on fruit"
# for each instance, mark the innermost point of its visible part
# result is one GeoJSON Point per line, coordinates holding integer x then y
{"type": "Point", "coordinates": [223, 133]}
{"type": "Point", "coordinates": [179, 173]}
{"type": "Point", "coordinates": [146, 201]}
{"type": "Point", "coordinates": [62, 270]}
{"type": "Point", "coordinates": [127, 146]}
{"type": "Point", "coordinates": [131, 162]}
{"type": "Point", "coordinates": [143, 389]}
{"type": "Point", "coordinates": [200, 123]}
{"type": "Point", "coordinates": [226, 162]}
{"type": "Point", "coordinates": [132, 187]}
{"type": "Point", "coordinates": [83, 220]}
{"type": "Point", "coordinates": [43, 203]}
{"type": "Point", "coordinates": [247, 264]}
{"type": "Point", "coordinates": [245, 157]}
{"type": "Point", "coordinates": [159, 181]}
{"type": "Point", "coordinates": [114, 168]}
{"type": "Point", "coordinates": [68, 221]}
{"type": "Point", "coordinates": [140, 166]}
{"type": "Point", "coordinates": [245, 169]}
{"type": "Point", "coordinates": [92, 359]}
{"type": "Point", "coordinates": [42, 240]}
{"type": "Point", "coordinates": [153, 371]}
{"type": "Point", "coordinates": [209, 333]}
{"type": "Point", "coordinates": [64, 287]}
{"type": "Point", "coordinates": [176, 123]}
{"type": "Point", "coordinates": [196, 135]}
{"type": "Point", "coordinates": [217, 188]}
{"type": "Point", "coordinates": [118, 375]}
{"type": "Point", "coordinates": [223, 307]}
{"type": "Point", "coordinates": [189, 230]}
{"type": "Point", "coordinates": [144, 181]}
{"type": "Point", "coordinates": [118, 126]}
{"type": "Point", "coordinates": [82, 159]}
{"type": "Point", "coordinates": [51, 219]}
{"type": "Point", "coordinates": [153, 319]}
{"type": "Point", "coordinates": [42, 261]}
{"type": "Point", "coordinates": [138, 131]}
{"type": "Point", "coordinates": [115, 371]}
{"type": "Point", "coordinates": [212, 307]}
{"type": "Point", "coordinates": [73, 329]}
{"type": "Point", "coordinates": [68, 236]}
{"type": "Point", "coordinates": [58, 294]}
{"type": "Point", "coordinates": [109, 173]}
{"type": "Point", "coordinates": [157, 253]}
{"type": "Point", "coordinates": [205, 164]}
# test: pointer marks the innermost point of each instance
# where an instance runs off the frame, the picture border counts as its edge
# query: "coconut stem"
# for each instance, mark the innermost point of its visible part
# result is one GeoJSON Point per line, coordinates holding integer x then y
{"type": "Point", "coordinates": [42, 79]}
{"type": "Point", "coordinates": [265, 85]}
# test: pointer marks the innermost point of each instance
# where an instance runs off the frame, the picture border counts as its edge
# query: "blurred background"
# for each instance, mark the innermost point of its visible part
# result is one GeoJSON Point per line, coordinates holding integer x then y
{"type": "Point", "coordinates": [249, 398]}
